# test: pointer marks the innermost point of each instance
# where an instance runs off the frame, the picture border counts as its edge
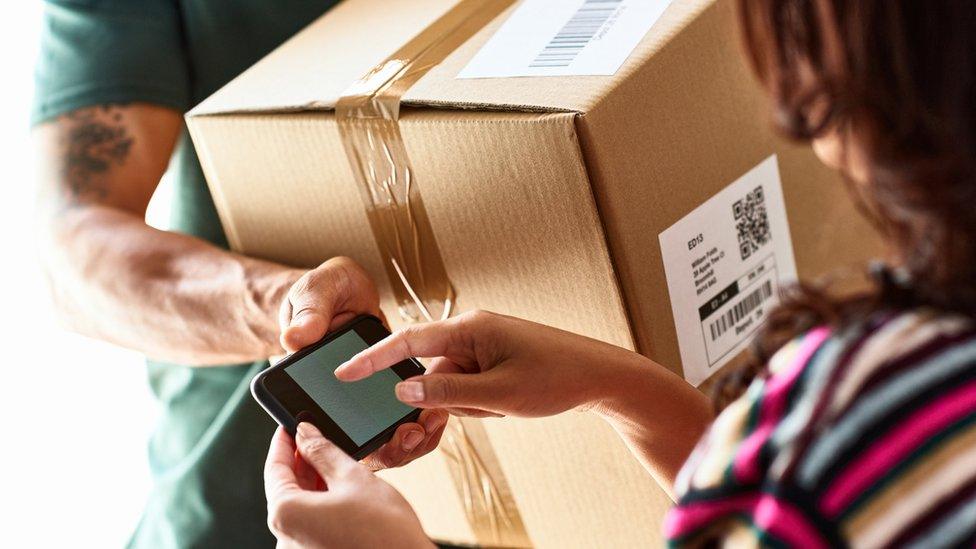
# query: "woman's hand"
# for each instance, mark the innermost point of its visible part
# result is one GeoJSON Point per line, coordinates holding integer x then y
{"type": "Point", "coordinates": [321, 497]}
{"type": "Point", "coordinates": [524, 369]}
{"type": "Point", "coordinates": [488, 364]}
{"type": "Point", "coordinates": [322, 300]}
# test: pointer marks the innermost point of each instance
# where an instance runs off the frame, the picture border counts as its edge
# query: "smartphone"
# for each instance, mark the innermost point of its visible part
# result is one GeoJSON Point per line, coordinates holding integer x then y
{"type": "Point", "coordinates": [358, 416]}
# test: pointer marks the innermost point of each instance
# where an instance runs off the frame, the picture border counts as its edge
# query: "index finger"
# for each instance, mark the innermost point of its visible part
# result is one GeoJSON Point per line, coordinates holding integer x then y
{"type": "Point", "coordinates": [279, 475]}
{"type": "Point", "coordinates": [422, 340]}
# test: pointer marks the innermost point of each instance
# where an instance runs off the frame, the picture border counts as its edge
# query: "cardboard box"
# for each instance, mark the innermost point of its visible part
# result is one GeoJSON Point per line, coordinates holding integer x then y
{"type": "Point", "coordinates": [547, 196]}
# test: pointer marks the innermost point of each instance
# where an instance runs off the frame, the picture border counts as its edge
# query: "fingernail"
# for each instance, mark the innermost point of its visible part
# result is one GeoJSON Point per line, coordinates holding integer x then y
{"type": "Point", "coordinates": [410, 391]}
{"type": "Point", "coordinates": [411, 440]}
{"type": "Point", "coordinates": [343, 368]}
{"type": "Point", "coordinates": [307, 431]}
{"type": "Point", "coordinates": [351, 371]}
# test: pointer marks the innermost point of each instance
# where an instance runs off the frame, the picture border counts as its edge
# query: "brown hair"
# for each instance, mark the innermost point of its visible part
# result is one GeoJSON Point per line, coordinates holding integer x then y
{"type": "Point", "coordinates": [895, 80]}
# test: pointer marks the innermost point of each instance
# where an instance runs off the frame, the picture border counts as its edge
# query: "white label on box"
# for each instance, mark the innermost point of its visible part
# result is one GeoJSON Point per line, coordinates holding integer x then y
{"type": "Point", "coordinates": [724, 263]}
{"type": "Point", "coordinates": [565, 38]}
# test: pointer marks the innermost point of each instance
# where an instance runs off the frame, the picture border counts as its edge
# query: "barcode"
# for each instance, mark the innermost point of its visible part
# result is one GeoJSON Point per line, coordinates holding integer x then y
{"type": "Point", "coordinates": [562, 50]}
{"type": "Point", "coordinates": [741, 309]}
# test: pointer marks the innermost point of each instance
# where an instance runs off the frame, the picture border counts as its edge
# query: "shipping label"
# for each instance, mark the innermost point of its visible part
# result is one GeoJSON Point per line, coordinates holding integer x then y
{"type": "Point", "coordinates": [724, 263]}
{"type": "Point", "coordinates": [565, 38]}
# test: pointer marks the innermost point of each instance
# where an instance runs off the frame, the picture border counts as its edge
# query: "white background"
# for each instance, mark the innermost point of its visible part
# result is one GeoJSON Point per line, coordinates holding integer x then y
{"type": "Point", "coordinates": [76, 413]}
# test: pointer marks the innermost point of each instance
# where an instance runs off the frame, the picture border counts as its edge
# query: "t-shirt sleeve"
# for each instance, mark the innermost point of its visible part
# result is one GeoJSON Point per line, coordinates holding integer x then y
{"type": "Point", "coordinates": [728, 491]}
{"type": "Point", "coordinates": [110, 51]}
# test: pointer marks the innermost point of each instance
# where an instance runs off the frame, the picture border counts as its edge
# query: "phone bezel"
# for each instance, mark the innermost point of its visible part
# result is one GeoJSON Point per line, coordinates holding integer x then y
{"type": "Point", "coordinates": [289, 404]}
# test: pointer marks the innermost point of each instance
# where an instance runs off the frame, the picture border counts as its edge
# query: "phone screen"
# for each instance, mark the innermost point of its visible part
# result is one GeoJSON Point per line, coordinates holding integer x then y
{"type": "Point", "coordinates": [362, 409]}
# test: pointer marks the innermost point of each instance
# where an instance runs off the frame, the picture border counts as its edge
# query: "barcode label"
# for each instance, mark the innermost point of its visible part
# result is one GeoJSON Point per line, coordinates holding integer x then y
{"type": "Point", "coordinates": [576, 34]}
{"type": "Point", "coordinates": [720, 297]}
{"type": "Point", "coordinates": [744, 307]}
{"type": "Point", "coordinates": [565, 38]}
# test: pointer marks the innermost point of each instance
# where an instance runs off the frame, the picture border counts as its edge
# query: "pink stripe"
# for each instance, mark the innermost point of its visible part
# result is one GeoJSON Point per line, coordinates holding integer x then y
{"type": "Point", "coordinates": [887, 452]}
{"type": "Point", "coordinates": [784, 522]}
{"type": "Point", "coordinates": [686, 518]}
{"type": "Point", "coordinates": [768, 513]}
{"type": "Point", "coordinates": [746, 464]}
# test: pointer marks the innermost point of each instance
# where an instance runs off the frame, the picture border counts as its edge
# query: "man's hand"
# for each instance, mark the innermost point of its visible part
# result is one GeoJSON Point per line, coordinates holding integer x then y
{"type": "Point", "coordinates": [321, 301]}
{"type": "Point", "coordinates": [170, 296]}
{"type": "Point", "coordinates": [320, 497]}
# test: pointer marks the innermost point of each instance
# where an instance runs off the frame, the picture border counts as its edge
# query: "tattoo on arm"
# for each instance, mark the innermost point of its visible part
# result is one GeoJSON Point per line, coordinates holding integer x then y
{"type": "Point", "coordinates": [96, 141]}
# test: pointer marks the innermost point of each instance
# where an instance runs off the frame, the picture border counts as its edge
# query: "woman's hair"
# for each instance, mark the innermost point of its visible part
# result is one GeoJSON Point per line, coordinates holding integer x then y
{"type": "Point", "coordinates": [895, 82]}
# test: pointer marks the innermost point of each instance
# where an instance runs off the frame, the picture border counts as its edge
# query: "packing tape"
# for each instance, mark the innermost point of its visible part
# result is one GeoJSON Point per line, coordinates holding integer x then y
{"type": "Point", "coordinates": [487, 499]}
{"type": "Point", "coordinates": [368, 115]}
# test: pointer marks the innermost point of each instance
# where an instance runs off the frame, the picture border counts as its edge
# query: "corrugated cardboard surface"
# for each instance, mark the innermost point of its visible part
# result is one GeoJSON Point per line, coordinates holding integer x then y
{"type": "Point", "coordinates": [548, 216]}
{"type": "Point", "coordinates": [301, 74]}
{"type": "Point", "coordinates": [688, 135]}
{"type": "Point", "coordinates": [520, 234]}
{"type": "Point", "coordinates": [514, 217]}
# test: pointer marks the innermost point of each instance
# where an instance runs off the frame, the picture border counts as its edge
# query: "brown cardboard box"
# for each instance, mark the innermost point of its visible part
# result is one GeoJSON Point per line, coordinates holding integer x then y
{"type": "Point", "coordinates": [546, 196]}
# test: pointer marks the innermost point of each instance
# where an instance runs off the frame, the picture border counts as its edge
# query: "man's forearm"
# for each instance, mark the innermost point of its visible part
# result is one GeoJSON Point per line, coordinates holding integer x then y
{"type": "Point", "coordinates": [167, 295]}
{"type": "Point", "coordinates": [658, 415]}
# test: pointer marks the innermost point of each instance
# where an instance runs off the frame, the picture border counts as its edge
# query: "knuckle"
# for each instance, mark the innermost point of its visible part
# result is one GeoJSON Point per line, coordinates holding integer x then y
{"type": "Point", "coordinates": [342, 261]}
{"type": "Point", "coordinates": [409, 332]}
{"type": "Point", "coordinates": [303, 310]}
{"type": "Point", "coordinates": [405, 337]}
{"type": "Point", "coordinates": [345, 274]}
{"type": "Point", "coordinates": [477, 318]}
{"type": "Point", "coordinates": [473, 326]}
{"type": "Point", "coordinates": [384, 460]}
{"type": "Point", "coordinates": [445, 390]}
{"type": "Point", "coordinates": [280, 515]}
{"type": "Point", "coordinates": [471, 317]}
{"type": "Point", "coordinates": [316, 449]}
{"type": "Point", "coordinates": [367, 358]}
{"type": "Point", "coordinates": [301, 287]}
{"type": "Point", "coordinates": [353, 269]}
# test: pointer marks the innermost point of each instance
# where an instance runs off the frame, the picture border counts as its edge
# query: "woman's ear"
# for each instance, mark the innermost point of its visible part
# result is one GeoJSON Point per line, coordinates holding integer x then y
{"type": "Point", "coordinates": [830, 150]}
{"type": "Point", "coordinates": [842, 154]}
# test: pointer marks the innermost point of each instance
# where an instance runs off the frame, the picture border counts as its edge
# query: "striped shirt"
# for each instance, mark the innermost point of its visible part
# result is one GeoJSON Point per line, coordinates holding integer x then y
{"type": "Point", "coordinates": [864, 437]}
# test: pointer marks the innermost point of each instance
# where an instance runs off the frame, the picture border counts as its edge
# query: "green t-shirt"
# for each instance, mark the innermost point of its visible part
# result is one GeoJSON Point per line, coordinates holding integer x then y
{"type": "Point", "coordinates": [207, 452]}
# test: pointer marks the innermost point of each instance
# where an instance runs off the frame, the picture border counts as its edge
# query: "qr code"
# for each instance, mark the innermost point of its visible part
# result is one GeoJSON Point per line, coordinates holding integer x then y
{"type": "Point", "coordinates": [751, 222]}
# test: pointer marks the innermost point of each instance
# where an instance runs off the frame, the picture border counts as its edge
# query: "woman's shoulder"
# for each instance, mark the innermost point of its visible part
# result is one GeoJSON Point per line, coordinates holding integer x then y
{"type": "Point", "coordinates": [892, 440]}
{"type": "Point", "coordinates": [840, 371]}
{"type": "Point", "coordinates": [848, 422]}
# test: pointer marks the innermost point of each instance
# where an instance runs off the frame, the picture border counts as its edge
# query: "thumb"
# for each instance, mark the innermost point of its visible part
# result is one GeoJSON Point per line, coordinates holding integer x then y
{"type": "Point", "coordinates": [328, 460]}
{"type": "Point", "coordinates": [307, 311]}
{"type": "Point", "coordinates": [305, 318]}
{"type": "Point", "coordinates": [305, 329]}
{"type": "Point", "coordinates": [449, 391]}
{"type": "Point", "coordinates": [321, 297]}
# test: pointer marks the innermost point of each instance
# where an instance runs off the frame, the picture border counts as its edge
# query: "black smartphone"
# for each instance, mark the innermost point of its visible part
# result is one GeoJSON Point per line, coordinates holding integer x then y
{"type": "Point", "coordinates": [358, 416]}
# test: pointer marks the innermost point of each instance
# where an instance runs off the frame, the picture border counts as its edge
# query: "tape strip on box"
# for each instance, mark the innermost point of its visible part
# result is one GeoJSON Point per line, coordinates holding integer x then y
{"type": "Point", "coordinates": [368, 119]}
